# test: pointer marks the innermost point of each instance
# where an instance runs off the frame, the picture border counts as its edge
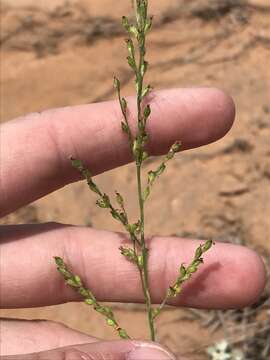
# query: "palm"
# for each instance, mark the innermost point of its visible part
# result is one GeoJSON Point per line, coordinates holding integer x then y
{"type": "Point", "coordinates": [35, 161]}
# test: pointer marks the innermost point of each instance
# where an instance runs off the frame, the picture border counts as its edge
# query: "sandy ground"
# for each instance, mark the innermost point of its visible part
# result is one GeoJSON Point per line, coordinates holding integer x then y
{"type": "Point", "coordinates": [229, 50]}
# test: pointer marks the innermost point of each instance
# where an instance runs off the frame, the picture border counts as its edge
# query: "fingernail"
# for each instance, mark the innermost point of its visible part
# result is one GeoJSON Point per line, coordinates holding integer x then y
{"type": "Point", "coordinates": [149, 353]}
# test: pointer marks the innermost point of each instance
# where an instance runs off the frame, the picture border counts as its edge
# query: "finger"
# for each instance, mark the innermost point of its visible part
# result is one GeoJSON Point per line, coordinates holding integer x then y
{"type": "Point", "coordinates": [232, 276]}
{"type": "Point", "coordinates": [114, 350]}
{"type": "Point", "coordinates": [24, 336]}
{"type": "Point", "coordinates": [35, 150]}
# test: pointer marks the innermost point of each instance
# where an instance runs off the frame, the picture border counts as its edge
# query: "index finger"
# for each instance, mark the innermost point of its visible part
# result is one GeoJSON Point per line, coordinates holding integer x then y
{"type": "Point", "coordinates": [36, 148]}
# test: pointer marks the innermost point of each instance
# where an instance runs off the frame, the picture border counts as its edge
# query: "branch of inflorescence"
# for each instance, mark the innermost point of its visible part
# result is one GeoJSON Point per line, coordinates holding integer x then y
{"type": "Point", "coordinates": [139, 253]}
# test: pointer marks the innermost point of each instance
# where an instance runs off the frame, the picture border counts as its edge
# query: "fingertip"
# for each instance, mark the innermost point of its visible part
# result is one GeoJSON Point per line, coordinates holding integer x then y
{"type": "Point", "coordinates": [197, 117]}
{"type": "Point", "coordinates": [215, 117]}
{"type": "Point", "coordinates": [244, 276]}
{"type": "Point", "coordinates": [254, 277]}
{"type": "Point", "coordinates": [224, 106]}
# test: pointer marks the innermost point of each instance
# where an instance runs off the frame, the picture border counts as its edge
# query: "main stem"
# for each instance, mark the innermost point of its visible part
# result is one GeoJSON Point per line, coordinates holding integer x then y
{"type": "Point", "coordinates": [141, 133]}
{"type": "Point", "coordinates": [144, 271]}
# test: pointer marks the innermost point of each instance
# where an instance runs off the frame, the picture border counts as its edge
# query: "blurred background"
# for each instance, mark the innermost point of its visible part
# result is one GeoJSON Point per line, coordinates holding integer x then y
{"type": "Point", "coordinates": [58, 53]}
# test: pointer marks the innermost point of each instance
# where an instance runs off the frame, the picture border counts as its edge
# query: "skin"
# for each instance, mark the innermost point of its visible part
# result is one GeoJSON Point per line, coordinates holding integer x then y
{"type": "Point", "coordinates": [35, 154]}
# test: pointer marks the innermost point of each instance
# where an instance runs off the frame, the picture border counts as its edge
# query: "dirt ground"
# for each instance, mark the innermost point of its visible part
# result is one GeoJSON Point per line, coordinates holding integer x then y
{"type": "Point", "coordinates": [77, 46]}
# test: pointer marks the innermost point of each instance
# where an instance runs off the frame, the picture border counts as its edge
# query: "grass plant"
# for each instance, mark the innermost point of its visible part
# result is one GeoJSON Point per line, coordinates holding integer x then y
{"type": "Point", "coordinates": [138, 251]}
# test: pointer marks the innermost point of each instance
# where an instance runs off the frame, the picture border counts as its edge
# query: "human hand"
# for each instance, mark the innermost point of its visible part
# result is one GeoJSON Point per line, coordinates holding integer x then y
{"type": "Point", "coordinates": [35, 161]}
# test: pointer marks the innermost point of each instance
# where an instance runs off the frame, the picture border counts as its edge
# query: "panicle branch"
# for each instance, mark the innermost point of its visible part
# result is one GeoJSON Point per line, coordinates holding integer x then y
{"type": "Point", "coordinates": [185, 274]}
{"type": "Point", "coordinates": [153, 175]}
{"type": "Point", "coordinates": [75, 282]}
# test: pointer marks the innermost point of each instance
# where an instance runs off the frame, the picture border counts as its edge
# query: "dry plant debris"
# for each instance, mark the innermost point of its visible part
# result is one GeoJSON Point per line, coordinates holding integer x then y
{"type": "Point", "coordinates": [246, 332]}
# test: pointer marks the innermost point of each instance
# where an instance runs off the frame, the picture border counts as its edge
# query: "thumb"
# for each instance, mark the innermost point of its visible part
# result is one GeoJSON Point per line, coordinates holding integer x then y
{"type": "Point", "coordinates": [113, 350]}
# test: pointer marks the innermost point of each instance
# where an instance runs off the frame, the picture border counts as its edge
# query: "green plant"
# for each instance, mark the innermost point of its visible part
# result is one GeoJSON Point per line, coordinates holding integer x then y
{"type": "Point", "coordinates": [138, 252]}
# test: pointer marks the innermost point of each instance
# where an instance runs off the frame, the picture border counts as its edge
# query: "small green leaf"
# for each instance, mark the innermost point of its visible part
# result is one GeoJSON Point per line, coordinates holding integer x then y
{"type": "Point", "coordinates": [77, 164]}
{"type": "Point", "coordinates": [111, 322]}
{"type": "Point", "coordinates": [84, 292]}
{"type": "Point", "coordinates": [192, 268]}
{"type": "Point", "coordinates": [148, 24]}
{"type": "Point", "coordinates": [123, 334]}
{"type": "Point", "coordinates": [89, 302]}
{"type": "Point", "coordinates": [125, 23]}
{"type": "Point", "coordinates": [134, 31]}
{"type": "Point", "coordinates": [182, 271]}
{"type": "Point", "coordinates": [128, 27]}
{"type": "Point", "coordinates": [93, 187]}
{"type": "Point", "coordinates": [147, 112]}
{"type": "Point", "coordinates": [199, 252]}
{"type": "Point", "coordinates": [64, 272]}
{"type": "Point", "coordinates": [124, 127]}
{"type": "Point", "coordinates": [207, 245]}
{"type": "Point", "coordinates": [131, 48]}
{"type": "Point", "coordinates": [116, 84]}
{"type": "Point", "coordinates": [131, 228]}
{"type": "Point", "coordinates": [124, 105]}
{"type": "Point", "coordinates": [59, 261]}
{"type": "Point", "coordinates": [104, 202]}
{"type": "Point", "coordinates": [72, 282]}
{"type": "Point", "coordinates": [142, 12]}
{"type": "Point", "coordinates": [176, 147]}
{"type": "Point", "coordinates": [161, 169]}
{"type": "Point", "coordinates": [86, 174]}
{"type": "Point", "coordinates": [146, 91]}
{"type": "Point", "coordinates": [122, 217]}
{"type": "Point", "coordinates": [173, 150]}
{"type": "Point", "coordinates": [140, 261]}
{"type": "Point", "coordinates": [139, 226]}
{"type": "Point", "coordinates": [198, 262]}
{"type": "Point", "coordinates": [145, 139]}
{"type": "Point", "coordinates": [137, 85]}
{"type": "Point", "coordinates": [145, 156]}
{"type": "Point", "coordinates": [170, 155]}
{"type": "Point", "coordinates": [105, 310]}
{"type": "Point", "coordinates": [128, 253]}
{"type": "Point", "coordinates": [155, 312]}
{"type": "Point", "coordinates": [119, 199]}
{"type": "Point", "coordinates": [115, 215]}
{"type": "Point", "coordinates": [174, 291]}
{"type": "Point", "coordinates": [177, 289]}
{"type": "Point", "coordinates": [186, 277]}
{"type": "Point", "coordinates": [131, 63]}
{"type": "Point", "coordinates": [144, 68]}
{"type": "Point", "coordinates": [78, 281]}
{"type": "Point", "coordinates": [134, 228]}
{"type": "Point", "coordinates": [151, 177]}
{"type": "Point", "coordinates": [136, 148]}
{"type": "Point", "coordinates": [146, 193]}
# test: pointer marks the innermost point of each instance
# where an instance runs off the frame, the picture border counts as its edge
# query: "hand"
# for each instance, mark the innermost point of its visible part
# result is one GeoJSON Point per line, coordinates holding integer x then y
{"type": "Point", "coordinates": [35, 161]}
